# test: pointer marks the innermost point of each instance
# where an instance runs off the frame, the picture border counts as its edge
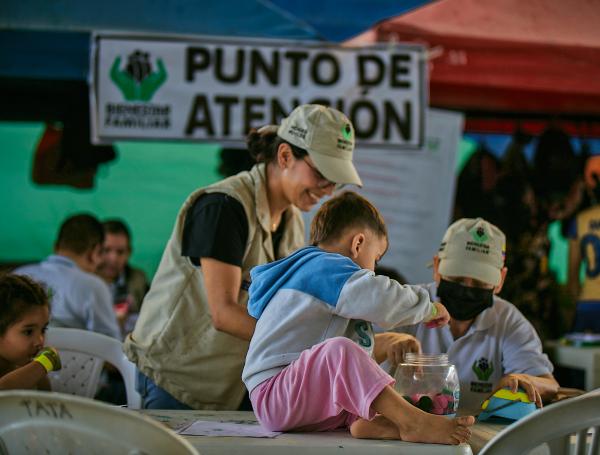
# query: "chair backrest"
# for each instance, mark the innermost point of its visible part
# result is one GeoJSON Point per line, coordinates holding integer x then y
{"type": "Point", "coordinates": [82, 354]}
{"type": "Point", "coordinates": [56, 423]}
{"type": "Point", "coordinates": [553, 425]}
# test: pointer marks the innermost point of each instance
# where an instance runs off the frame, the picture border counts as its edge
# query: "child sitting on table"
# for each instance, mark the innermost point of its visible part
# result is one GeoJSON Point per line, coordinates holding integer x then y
{"type": "Point", "coordinates": [24, 315]}
{"type": "Point", "coordinates": [309, 365]}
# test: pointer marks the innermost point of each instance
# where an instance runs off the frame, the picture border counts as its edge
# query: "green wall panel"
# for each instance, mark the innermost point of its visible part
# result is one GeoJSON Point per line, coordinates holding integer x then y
{"type": "Point", "coordinates": [145, 186]}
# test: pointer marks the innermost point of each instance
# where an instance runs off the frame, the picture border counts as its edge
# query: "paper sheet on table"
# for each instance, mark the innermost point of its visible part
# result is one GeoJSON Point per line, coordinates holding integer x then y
{"type": "Point", "coordinates": [212, 428]}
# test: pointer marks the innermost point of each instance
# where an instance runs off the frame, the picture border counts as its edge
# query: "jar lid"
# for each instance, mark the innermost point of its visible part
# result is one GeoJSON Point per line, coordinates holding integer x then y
{"type": "Point", "coordinates": [425, 359]}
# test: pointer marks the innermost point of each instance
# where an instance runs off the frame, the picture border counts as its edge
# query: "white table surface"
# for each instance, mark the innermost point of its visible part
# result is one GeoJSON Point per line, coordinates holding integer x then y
{"type": "Point", "coordinates": [338, 442]}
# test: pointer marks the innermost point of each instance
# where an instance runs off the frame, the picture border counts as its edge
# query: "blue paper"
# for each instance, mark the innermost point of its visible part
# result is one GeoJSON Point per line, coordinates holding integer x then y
{"type": "Point", "coordinates": [507, 405]}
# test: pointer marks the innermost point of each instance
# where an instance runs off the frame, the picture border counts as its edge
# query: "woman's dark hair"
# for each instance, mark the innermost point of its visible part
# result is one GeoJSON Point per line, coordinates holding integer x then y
{"type": "Point", "coordinates": [232, 161]}
{"type": "Point", "coordinates": [18, 294]}
{"type": "Point", "coordinates": [263, 146]}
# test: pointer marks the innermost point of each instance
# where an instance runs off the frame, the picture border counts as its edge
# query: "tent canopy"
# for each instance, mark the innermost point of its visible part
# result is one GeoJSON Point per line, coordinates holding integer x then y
{"type": "Point", "coordinates": [50, 40]}
{"type": "Point", "coordinates": [535, 56]}
{"type": "Point", "coordinates": [45, 46]}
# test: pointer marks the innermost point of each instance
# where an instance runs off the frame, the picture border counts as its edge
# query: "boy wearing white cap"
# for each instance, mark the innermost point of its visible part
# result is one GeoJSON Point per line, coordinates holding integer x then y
{"type": "Point", "coordinates": [488, 339]}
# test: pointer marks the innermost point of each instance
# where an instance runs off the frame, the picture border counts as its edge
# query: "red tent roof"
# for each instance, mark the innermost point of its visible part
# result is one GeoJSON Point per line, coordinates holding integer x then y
{"type": "Point", "coordinates": [533, 56]}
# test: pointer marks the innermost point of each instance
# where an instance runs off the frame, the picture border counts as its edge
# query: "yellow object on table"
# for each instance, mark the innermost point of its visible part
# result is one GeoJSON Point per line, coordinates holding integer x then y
{"type": "Point", "coordinates": [506, 394]}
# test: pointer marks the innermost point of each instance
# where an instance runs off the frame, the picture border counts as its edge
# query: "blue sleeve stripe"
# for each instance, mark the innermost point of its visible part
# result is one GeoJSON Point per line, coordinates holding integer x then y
{"type": "Point", "coordinates": [323, 278]}
{"type": "Point", "coordinates": [309, 270]}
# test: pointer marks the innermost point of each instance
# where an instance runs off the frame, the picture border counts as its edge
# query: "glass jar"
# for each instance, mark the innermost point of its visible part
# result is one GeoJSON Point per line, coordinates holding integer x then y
{"type": "Point", "coordinates": [429, 382]}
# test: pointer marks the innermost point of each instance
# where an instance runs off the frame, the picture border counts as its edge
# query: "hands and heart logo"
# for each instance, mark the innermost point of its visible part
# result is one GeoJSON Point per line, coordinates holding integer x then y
{"type": "Point", "coordinates": [138, 81]}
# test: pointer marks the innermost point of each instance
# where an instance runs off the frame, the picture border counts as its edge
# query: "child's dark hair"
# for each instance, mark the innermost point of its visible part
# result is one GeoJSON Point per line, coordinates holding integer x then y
{"type": "Point", "coordinates": [18, 294]}
{"type": "Point", "coordinates": [347, 210]}
{"type": "Point", "coordinates": [263, 145]}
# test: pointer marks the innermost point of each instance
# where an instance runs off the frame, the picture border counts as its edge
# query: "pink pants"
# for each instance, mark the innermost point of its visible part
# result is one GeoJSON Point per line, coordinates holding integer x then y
{"type": "Point", "coordinates": [329, 386]}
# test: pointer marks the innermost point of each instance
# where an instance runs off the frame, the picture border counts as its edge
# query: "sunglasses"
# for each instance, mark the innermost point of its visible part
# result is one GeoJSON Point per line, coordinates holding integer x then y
{"type": "Point", "coordinates": [323, 181]}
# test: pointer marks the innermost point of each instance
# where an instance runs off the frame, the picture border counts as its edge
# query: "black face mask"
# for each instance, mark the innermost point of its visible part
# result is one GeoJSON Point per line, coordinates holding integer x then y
{"type": "Point", "coordinates": [463, 302]}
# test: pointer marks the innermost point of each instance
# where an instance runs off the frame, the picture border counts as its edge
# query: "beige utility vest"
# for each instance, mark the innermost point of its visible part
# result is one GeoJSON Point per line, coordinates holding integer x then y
{"type": "Point", "coordinates": [174, 342]}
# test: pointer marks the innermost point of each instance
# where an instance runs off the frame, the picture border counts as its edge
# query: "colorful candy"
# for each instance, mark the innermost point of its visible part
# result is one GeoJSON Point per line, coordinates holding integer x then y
{"type": "Point", "coordinates": [440, 403]}
{"type": "Point", "coordinates": [429, 382]}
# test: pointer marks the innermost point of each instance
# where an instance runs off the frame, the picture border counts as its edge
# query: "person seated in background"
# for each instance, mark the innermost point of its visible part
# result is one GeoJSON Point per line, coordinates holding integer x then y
{"type": "Point", "coordinates": [489, 341]}
{"type": "Point", "coordinates": [128, 284]}
{"type": "Point", "coordinates": [79, 298]}
{"type": "Point", "coordinates": [584, 247]}
{"type": "Point", "coordinates": [24, 314]}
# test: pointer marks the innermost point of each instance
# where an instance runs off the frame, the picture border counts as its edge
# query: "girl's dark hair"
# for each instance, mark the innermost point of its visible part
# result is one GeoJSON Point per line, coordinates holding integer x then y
{"type": "Point", "coordinates": [346, 210]}
{"type": "Point", "coordinates": [18, 294]}
{"type": "Point", "coordinates": [263, 146]}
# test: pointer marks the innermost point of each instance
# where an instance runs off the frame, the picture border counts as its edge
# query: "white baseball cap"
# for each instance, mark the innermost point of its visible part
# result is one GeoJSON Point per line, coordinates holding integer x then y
{"type": "Point", "coordinates": [473, 248]}
{"type": "Point", "coordinates": [328, 137]}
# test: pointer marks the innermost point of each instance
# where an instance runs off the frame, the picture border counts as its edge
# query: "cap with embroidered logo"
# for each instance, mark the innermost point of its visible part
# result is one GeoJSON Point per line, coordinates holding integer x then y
{"type": "Point", "coordinates": [474, 248]}
{"type": "Point", "coordinates": [328, 137]}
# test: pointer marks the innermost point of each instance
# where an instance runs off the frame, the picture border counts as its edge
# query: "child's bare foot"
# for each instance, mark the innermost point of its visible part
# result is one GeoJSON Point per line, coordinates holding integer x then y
{"type": "Point", "coordinates": [426, 428]}
{"type": "Point", "coordinates": [417, 426]}
{"type": "Point", "coordinates": [378, 428]}
{"type": "Point", "coordinates": [437, 429]}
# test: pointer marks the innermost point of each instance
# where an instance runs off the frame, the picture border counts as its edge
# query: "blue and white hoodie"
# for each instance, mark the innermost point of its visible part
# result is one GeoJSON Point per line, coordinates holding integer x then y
{"type": "Point", "coordinates": [313, 295]}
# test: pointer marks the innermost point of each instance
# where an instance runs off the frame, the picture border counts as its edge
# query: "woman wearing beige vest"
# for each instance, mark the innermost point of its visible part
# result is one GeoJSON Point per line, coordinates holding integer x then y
{"type": "Point", "coordinates": [191, 338]}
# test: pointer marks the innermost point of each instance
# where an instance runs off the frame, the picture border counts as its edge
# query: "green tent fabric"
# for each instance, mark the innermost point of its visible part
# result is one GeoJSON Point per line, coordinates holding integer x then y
{"type": "Point", "coordinates": [145, 186]}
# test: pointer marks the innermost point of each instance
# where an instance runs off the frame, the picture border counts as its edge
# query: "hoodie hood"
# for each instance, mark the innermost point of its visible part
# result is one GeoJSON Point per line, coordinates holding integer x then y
{"type": "Point", "coordinates": [290, 272]}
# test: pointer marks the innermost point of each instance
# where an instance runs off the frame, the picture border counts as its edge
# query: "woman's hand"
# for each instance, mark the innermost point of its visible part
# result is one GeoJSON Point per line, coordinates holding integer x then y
{"type": "Point", "coordinates": [400, 346]}
{"type": "Point", "coordinates": [392, 346]}
{"type": "Point", "coordinates": [514, 381]}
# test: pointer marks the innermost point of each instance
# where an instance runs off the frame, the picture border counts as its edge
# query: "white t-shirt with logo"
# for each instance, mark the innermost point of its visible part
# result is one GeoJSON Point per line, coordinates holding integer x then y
{"type": "Point", "coordinates": [499, 342]}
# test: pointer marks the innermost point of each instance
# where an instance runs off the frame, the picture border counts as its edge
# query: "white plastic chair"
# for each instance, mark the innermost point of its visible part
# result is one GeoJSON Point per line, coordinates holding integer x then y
{"type": "Point", "coordinates": [83, 354]}
{"type": "Point", "coordinates": [54, 423]}
{"type": "Point", "coordinates": [553, 426]}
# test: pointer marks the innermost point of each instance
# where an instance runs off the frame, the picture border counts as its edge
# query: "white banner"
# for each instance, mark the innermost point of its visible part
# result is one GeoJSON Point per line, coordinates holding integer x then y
{"type": "Point", "coordinates": [216, 89]}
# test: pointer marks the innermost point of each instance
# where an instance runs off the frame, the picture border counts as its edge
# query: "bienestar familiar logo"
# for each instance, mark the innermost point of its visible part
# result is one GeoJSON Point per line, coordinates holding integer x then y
{"type": "Point", "coordinates": [138, 81]}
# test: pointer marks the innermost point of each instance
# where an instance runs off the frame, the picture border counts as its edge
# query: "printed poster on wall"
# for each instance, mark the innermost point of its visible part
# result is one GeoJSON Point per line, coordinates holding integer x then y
{"type": "Point", "coordinates": [216, 89]}
{"type": "Point", "coordinates": [415, 194]}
